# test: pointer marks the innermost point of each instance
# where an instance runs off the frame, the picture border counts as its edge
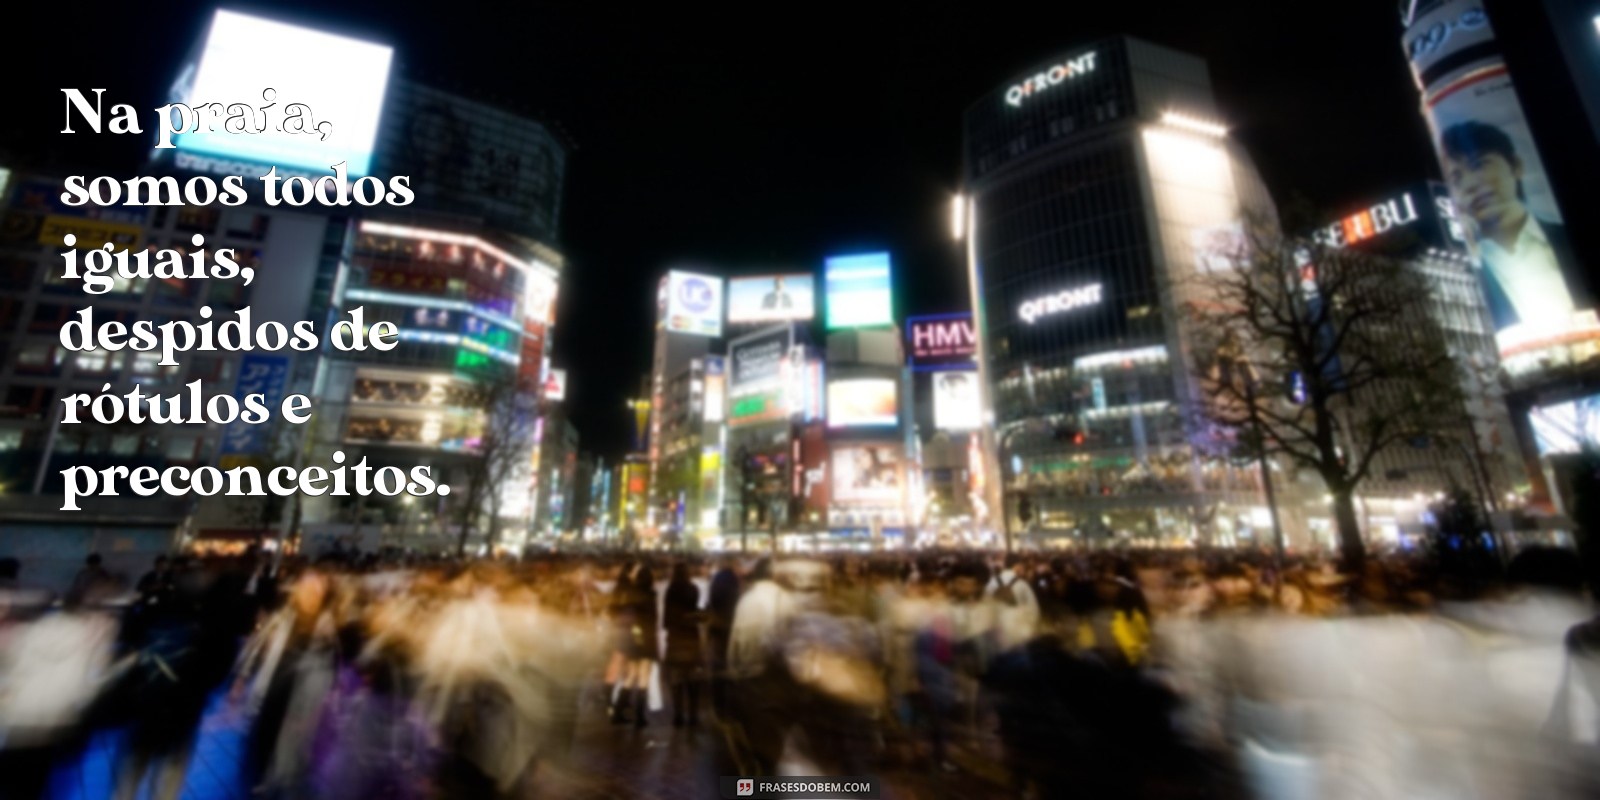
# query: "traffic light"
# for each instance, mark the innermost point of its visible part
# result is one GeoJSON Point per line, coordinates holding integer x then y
{"type": "Point", "coordinates": [1071, 434]}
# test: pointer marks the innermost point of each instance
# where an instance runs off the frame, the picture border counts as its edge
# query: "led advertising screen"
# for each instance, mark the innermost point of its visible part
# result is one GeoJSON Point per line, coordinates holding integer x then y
{"type": "Point", "coordinates": [957, 404]}
{"type": "Point", "coordinates": [1538, 294]}
{"type": "Point", "coordinates": [869, 473]}
{"type": "Point", "coordinates": [694, 304]}
{"type": "Point", "coordinates": [863, 402]}
{"type": "Point", "coordinates": [539, 297]}
{"type": "Point", "coordinates": [758, 366]}
{"type": "Point", "coordinates": [340, 80]}
{"type": "Point", "coordinates": [771, 298]}
{"type": "Point", "coordinates": [758, 360]}
{"type": "Point", "coordinates": [858, 291]}
{"type": "Point", "coordinates": [1568, 427]}
{"type": "Point", "coordinates": [942, 340]}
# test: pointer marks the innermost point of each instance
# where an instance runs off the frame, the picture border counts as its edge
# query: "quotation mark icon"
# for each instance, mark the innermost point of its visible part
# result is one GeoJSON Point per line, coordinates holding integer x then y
{"type": "Point", "coordinates": [745, 787]}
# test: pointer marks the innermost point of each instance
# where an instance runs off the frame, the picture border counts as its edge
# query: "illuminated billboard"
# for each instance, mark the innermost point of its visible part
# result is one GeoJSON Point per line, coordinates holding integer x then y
{"type": "Point", "coordinates": [866, 473]}
{"type": "Point", "coordinates": [1538, 294]}
{"type": "Point", "coordinates": [757, 377]}
{"type": "Point", "coordinates": [715, 400]}
{"type": "Point", "coordinates": [957, 404]}
{"type": "Point", "coordinates": [858, 289]}
{"type": "Point", "coordinates": [555, 385]}
{"type": "Point", "coordinates": [771, 298]}
{"type": "Point", "coordinates": [942, 340]}
{"type": "Point", "coordinates": [694, 304]}
{"type": "Point", "coordinates": [539, 297]}
{"type": "Point", "coordinates": [758, 359]}
{"type": "Point", "coordinates": [337, 82]}
{"type": "Point", "coordinates": [863, 402]}
{"type": "Point", "coordinates": [1569, 427]}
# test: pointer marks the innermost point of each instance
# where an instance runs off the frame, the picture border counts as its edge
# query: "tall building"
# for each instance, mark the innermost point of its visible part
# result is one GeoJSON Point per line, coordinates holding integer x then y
{"type": "Point", "coordinates": [874, 487]}
{"type": "Point", "coordinates": [1088, 182]}
{"type": "Point", "coordinates": [947, 410]}
{"type": "Point", "coordinates": [774, 386]}
{"type": "Point", "coordinates": [468, 273]}
{"type": "Point", "coordinates": [1419, 225]}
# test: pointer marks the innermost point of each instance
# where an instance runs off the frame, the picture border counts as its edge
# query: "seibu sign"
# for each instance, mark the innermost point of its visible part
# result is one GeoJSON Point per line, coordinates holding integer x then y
{"type": "Point", "coordinates": [941, 339]}
{"type": "Point", "coordinates": [1060, 302]}
{"type": "Point", "coordinates": [1066, 70]}
{"type": "Point", "coordinates": [1396, 212]}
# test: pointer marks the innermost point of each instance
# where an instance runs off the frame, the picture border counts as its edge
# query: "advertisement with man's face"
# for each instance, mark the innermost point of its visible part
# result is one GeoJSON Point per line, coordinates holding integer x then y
{"type": "Point", "coordinates": [866, 473]}
{"type": "Point", "coordinates": [1537, 293]}
{"type": "Point", "coordinates": [771, 298]}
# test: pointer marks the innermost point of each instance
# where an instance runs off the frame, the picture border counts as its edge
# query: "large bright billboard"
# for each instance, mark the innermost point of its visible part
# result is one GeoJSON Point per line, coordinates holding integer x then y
{"type": "Point", "coordinates": [332, 85]}
{"type": "Point", "coordinates": [957, 404]}
{"type": "Point", "coordinates": [1537, 292]}
{"type": "Point", "coordinates": [863, 402]}
{"type": "Point", "coordinates": [869, 473]}
{"type": "Point", "coordinates": [858, 289]}
{"type": "Point", "coordinates": [694, 304]}
{"type": "Point", "coordinates": [771, 298]}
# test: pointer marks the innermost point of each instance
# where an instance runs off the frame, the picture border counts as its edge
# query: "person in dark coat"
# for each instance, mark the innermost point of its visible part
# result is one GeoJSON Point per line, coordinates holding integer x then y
{"type": "Point", "coordinates": [683, 660]}
{"type": "Point", "coordinates": [634, 612]}
{"type": "Point", "coordinates": [724, 598]}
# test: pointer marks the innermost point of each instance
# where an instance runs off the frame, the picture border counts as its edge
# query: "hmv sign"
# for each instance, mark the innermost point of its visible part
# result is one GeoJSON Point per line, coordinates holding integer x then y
{"type": "Point", "coordinates": [942, 340]}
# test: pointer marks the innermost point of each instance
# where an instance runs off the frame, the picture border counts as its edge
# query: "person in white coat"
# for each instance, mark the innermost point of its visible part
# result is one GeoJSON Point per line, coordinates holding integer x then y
{"type": "Point", "coordinates": [1016, 604]}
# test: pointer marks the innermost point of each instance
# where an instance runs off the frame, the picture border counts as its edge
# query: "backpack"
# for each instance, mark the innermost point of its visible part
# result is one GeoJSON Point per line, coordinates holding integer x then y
{"type": "Point", "coordinates": [1004, 594]}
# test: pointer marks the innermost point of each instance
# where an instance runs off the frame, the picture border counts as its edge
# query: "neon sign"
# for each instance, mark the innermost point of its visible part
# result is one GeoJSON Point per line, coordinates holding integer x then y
{"type": "Point", "coordinates": [1060, 302]}
{"type": "Point", "coordinates": [1375, 221]}
{"type": "Point", "coordinates": [1071, 68]}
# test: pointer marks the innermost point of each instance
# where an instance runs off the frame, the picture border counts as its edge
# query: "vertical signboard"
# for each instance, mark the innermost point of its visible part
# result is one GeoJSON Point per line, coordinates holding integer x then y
{"type": "Point", "coordinates": [266, 375]}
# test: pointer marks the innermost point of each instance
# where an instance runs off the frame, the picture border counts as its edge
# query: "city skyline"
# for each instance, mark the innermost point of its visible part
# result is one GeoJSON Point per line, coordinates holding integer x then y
{"type": "Point", "coordinates": [696, 144]}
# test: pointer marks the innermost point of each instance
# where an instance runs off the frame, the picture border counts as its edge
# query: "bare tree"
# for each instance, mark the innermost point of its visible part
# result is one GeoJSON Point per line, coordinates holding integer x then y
{"type": "Point", "coordinates": [510, 416]}
{"type": "Point", "coordinates": [1325, 357]}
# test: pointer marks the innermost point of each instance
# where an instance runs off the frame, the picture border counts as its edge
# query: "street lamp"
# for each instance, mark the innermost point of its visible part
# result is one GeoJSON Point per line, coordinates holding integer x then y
{"type": "Point", "coordinates": [1231, 366]}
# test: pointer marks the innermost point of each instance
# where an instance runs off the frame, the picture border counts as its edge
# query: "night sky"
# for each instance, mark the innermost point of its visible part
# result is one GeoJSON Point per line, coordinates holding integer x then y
{"type": "Point", "coordinates": [761, 138]}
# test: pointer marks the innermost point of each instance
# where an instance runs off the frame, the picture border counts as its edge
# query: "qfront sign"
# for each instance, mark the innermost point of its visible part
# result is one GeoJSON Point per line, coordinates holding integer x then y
{"type": "Point", "coordinates": [1053, 76]}
{"type": "Point", "coordinates": [1059, 302]}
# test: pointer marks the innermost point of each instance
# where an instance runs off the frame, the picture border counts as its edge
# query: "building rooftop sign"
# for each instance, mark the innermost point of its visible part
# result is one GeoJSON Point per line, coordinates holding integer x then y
{"type": "Point", "coordinates": [1049, 77]}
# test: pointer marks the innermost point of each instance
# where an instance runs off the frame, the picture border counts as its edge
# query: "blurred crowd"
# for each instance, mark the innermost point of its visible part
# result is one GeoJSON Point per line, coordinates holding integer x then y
{"type": "Point", "coordinates": [1092, 674]}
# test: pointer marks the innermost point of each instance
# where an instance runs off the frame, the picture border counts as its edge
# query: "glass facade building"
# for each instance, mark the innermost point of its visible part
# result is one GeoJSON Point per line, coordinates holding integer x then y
{"type": "Point", "coordinates": [1090, 181]}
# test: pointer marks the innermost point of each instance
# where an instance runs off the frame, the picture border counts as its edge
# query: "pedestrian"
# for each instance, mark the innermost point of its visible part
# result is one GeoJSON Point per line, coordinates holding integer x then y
{"type": "Point", "coordinates": [720, 606]}
{"type": "Point", "coordinates": [634, 613]}
{"type": "Point", "coordinates": [90, 584]}
{"type": "Point", "coordinates": [683, 661]}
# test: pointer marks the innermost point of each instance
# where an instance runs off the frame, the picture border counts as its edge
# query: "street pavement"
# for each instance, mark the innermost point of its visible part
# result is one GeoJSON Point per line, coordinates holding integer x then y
{"type": "Point", "coordinates": [606, 761]}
